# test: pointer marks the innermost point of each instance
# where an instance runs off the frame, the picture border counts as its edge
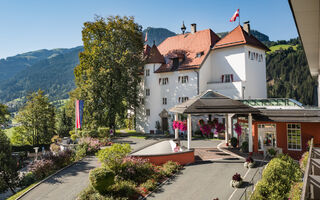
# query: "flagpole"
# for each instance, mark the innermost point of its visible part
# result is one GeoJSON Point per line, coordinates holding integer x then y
{"type": "Point", "coordinates": [239, 16]}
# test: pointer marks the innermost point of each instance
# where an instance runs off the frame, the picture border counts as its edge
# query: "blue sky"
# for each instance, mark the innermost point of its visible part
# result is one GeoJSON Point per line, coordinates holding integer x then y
{"type": "Point", "coordinates": [46, 24]}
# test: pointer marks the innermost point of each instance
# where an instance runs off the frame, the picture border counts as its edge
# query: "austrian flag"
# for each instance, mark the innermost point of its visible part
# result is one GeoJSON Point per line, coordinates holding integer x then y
{"type": "Point", "coordinates": [235, 15]}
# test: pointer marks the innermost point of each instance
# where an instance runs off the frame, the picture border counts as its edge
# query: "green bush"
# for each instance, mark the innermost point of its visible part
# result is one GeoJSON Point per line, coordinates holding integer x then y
{"type": "Point", "coordinates": [112, 157]}
{"type": "Point", "coordinates": [169, 168]}
{"type": "Point", "coordinates": [234, 142]}
{"type": "Point", "coordinates": [277, 178]}
{"type": "Point", "coordinates": [296, 190]}
{"type": "Point", "coordinates": [103, 132]}
{"type": "Point", "coordinates": [81, 152]}
{"type": "Point", "coordinates": [124, 189]}
{"type": "Point", "coordinates": [91, 194]}
{"type": "Point", "coordinates": [27, 179]}
{"type": "Point", "coordinates": [72, 132]}
{"type": "Point", "coordinates": [101, 179]}
{"type": "Point", "coordinates": [245, 147]}
{"type": "Point", "coordinates": [74, 137]}
{"type": "Point", "coordinates": [198, 132]}
{"type": "Point", "coordinates": [304, 161]}
{"type": "Point", "coordinates": [3, 185]}
{"type": "Point", "coordinates": [135, 169]}
{"type": "Point", "coordinates": [150, 184]}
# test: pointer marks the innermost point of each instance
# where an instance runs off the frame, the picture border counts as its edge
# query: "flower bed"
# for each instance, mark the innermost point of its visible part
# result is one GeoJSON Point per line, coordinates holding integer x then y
{"type": "Point", "coordinates": [125, 177]}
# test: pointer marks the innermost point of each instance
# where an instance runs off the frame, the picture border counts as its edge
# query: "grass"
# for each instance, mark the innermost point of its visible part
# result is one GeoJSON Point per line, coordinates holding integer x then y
{"type": "Point", "coordinates": [126, 131]}
{"type": "Point", "coordinates": [282, 46]}
{"type": "Point", "coordinates": [138, 136]}
{"type": "Point", "coordinates": [15, 196]}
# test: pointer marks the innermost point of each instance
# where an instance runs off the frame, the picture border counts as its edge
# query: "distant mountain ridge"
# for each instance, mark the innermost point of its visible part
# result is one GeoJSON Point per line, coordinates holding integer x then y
{"type": "Point", "coordinates": [52, 70]}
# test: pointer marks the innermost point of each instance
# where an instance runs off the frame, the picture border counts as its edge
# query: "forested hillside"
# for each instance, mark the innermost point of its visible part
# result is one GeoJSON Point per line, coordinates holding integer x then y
{"type": "Point", "coordinates": [54, 75]}
{"type": "Point", "coordinates": [157, 35]}
{"type": "Point", "coordinates": [288, 73]}
{"type": "Point", "coordinates": [14, 64]}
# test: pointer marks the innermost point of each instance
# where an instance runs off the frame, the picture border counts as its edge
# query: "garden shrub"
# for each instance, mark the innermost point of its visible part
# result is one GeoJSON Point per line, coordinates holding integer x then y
{"type": "Point", "coordinates": [74, 137]}
{"type": "Point", "coordinates": [27, 179]}
{"type": "Point", "coordinates": [81, 152]}
{"type": "Point", "coordinates": [41, 168]}
{"type": "Point", "coordinates": [169, 168]}
{"type": "Point", "coordinates": [101, 179]}
{"type": "Point", "coordinates": [112, 157]}
{"type": "Point", "coordinates": [150, 184]}
{"type": "Point", "coordinates": [3, 186]}
{"type": "Point", "coordinates": [303, 161]}
{"type": "Point", "coordinates": [124, 189]}
{"type": "Point", "coordinates": [103, 132]}
{"type": "Point", "coordinates": [277, 178]}
{"type": "Point", "coordinates": [245, 147]}
{"type": "Point", "coordinates": [91, 194]}
{"type": "Point", "coordinates": [296, 191]}
{"type": "Point", "coordinates": [234, 142]}
{"type": "Point", "coordinates": [72, 132]}
{"type": "Point", "coordinates": [54, 147]}
{"type": "Point", "coordinates": [89, 145]}
{"type": "Point", "coordinates": [135, 169]}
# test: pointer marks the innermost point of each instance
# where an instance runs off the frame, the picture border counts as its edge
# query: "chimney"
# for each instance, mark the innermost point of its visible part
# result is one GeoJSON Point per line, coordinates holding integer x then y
{"type": "Point", "coordinates": [193, 28]}
{"type": "Point", "coordinates": [246, 27]}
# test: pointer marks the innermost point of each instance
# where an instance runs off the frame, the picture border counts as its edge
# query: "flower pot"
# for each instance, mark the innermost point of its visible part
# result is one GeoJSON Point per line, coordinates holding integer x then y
{"type": "Point", "coordinates": [249, 164]}
{"type": "Point", "coordinates": [235, 184]}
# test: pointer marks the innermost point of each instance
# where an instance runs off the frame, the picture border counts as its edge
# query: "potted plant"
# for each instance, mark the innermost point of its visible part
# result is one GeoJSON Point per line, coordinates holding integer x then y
{"type": "Point", "coordinates": [236, 181]}
{"type": "Point", "coordinates": [271, 152]}
{"type": "Point", "coordinates": [234, 142]}
{"type": "Point", "coordinates": [245, 147]}
{"type": "Point", "coordinates": [249, 162]}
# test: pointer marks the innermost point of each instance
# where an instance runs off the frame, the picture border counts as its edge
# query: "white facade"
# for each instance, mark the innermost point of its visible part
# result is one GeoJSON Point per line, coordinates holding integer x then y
{"type": "Point", "coordinates": [248, 74]}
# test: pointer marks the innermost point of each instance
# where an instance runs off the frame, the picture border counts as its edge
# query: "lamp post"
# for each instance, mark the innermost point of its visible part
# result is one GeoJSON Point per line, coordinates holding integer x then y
{"type": "Point", "coordinates": [36, 151]}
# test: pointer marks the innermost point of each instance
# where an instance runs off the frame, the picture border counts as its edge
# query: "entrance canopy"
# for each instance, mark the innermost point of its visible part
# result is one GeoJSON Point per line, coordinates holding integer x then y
{"type": "Point", "coordinates": [212, 102]}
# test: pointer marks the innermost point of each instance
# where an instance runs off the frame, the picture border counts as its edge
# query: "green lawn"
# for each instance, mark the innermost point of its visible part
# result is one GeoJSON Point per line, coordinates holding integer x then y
{"type": "Point", "coordinates": [283, 46]}
{"type": "Point", "coordinates": [13, 197]}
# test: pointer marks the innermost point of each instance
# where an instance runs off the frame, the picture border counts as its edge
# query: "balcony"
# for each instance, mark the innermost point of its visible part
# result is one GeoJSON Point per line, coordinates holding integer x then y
{"type": "Point", "coordinates": [229, 89]}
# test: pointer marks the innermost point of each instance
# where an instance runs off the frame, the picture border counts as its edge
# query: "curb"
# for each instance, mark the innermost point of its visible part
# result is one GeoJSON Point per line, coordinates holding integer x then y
{"type": "Point", "coordinates": [229, 152]}
{"type": "Point", "coordinates": [26, 192]}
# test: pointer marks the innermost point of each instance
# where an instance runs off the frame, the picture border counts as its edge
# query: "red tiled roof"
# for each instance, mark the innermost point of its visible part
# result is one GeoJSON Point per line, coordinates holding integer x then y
{"type": "Point", "coordinates": [146, 50]}
{"type": "Point", "coordinates": [155, 56]}
{"type": "Point", "coordinates": [238, 36]}
{"type": "Point", "coordinates": [186, 47]}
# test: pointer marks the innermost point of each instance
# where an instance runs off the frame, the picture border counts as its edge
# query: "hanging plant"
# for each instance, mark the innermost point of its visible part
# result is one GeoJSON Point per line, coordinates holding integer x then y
{"type": "Point", "coordinates": [219, 127]}
{"type": "Point", "coordinates": [183, 125]}
{"type": "Point", "coordinates": [238, 129]}
{"type": "Point", "coordinates": [175, 124]}
{"type": "Point", "coordinates": [201, 122]}
{"type": "Point", "coordinates": [205, 129]}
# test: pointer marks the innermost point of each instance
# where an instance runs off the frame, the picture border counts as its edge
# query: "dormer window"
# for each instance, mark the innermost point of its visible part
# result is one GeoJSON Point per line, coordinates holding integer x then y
{"type": "Point", "coordinates": [175, 62]}
{"type": "Point", "coordinates": [199, 54]}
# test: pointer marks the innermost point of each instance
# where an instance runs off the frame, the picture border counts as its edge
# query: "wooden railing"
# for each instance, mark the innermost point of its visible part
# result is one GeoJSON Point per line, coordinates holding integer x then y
{"type": "Point", "coordinates": [306, 186]}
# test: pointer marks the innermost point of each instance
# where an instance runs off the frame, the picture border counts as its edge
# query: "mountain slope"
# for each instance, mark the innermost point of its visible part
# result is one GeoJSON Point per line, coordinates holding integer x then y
{"type": "Point", "coordinates": [54, 75]}
{"type": "Point", "coordinates": [157, 35]}
{"type": "Point", "coordinates": [15, 64]}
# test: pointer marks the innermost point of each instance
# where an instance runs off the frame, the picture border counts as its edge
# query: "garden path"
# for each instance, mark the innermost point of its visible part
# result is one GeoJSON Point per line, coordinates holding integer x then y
{"type": "Point", "coordinates": [67, 184]}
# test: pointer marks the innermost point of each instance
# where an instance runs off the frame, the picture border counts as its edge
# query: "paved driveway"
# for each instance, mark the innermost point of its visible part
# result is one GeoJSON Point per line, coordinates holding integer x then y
{"type": "Point", "coordinates": [204, 181]}
{"type": "Point", "coordinates": [67, 184]}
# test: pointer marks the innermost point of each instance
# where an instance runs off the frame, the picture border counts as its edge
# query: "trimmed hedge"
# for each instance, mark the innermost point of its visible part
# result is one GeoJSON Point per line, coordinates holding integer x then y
{"type": "Point", "coordinates": [17, 148]}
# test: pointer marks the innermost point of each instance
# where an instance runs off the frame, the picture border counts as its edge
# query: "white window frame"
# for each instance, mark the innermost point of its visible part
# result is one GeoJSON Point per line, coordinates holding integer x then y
{"type": "Point", "coordinates": [147, 112]}
{"type": "Point", "coordinates": [225, 78]}
{"type": "Point", "coordinates": [147, 72]}
{"type": "Point", "coordinates": [183, 79]}
{"type": "Point", "coordinates": [165, 81]}
{"type": "Point", "coordinates": [164, 101]}
{"type": "Point", "coordinates": [294, 129]}
{"type": "Point", "coordinates": [147, 92]}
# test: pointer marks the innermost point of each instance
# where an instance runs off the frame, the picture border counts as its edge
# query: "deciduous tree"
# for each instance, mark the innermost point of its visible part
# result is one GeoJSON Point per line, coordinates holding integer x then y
{"type": "Point", "coordinates": [108, 73]}
{"type": "Point", "coordinates": [37, 119]}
